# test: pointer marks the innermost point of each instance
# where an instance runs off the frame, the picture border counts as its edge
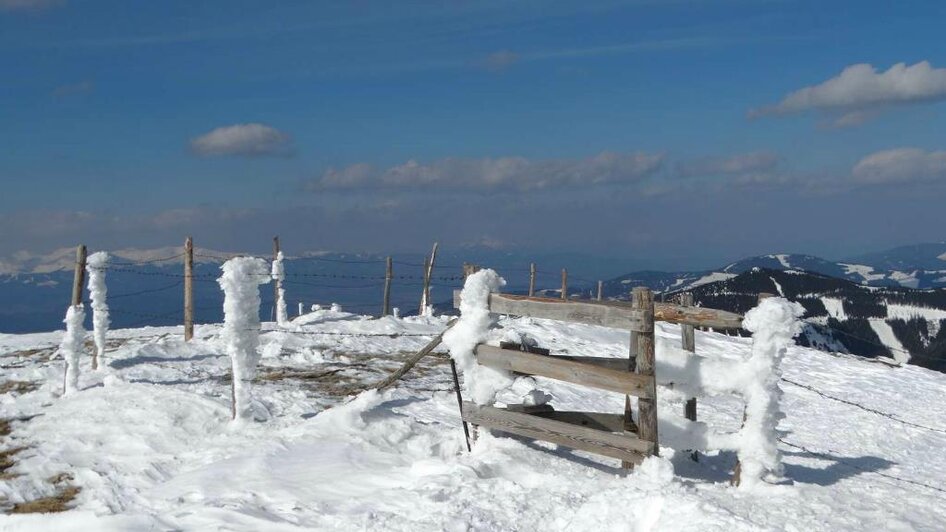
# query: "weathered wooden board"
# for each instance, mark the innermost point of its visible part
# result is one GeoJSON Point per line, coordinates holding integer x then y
{"type": "Point", "coordinates": [619, 364]}
{"type": "Point", "coordinates": [615, 313]}
{"type": "Point", "coordinates": [627, 447]}
{"type": "Point", "coordinates": [593, 420]}
{"type": "Point", "coordinates": [697, 316]}
{"type": "Point", "coordinates": [602, 313]}
{"type": "Point", "coordinates": [596, 376]}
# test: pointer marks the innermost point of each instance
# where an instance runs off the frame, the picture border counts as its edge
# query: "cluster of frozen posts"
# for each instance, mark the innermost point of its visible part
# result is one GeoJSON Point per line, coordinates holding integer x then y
{"type": "Point", "coordinates": [487, 370]}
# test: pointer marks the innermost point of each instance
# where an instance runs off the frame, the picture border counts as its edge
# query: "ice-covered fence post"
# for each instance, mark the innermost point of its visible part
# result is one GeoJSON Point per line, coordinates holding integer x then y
{"type": "Point", "coordinates": [428, 273]}
{"type": "Point", "coordinates": [773, 324]}
{"type": "Point", "coordinates": [71, 346]}
{"type": "Point", "coordinates": [188, 289]}
{"type": "Point", "coordinates": [279, 273]}
{"type": "Point", "coordinates": [98, 291]}
{"type": "Point", "coordinates": [564, 284]}
{"type": "Point", "coordinates": [241, 324]}
{"type": "Point", "coordinates": [600, 287]}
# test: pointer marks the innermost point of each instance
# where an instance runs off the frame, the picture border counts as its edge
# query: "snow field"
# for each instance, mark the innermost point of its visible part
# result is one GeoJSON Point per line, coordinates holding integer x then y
{"type": "Point", "coordinates": [152, 446]}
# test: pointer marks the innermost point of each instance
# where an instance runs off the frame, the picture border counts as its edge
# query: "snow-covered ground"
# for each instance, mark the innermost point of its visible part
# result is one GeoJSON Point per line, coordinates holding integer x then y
{"type": "Point", "coordinates": [149, 442]}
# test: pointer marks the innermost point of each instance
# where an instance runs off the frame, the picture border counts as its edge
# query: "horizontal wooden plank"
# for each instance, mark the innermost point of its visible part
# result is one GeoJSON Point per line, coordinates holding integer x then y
{"type": "Point", "coordinates": [566, 370]}
{"type": "Point", "coordinates": [625, 446]}
{"type": "Point", "coordinates": [603, 313]}
{"type": "Point", "coordinates": [620, 364]}
{"type": "Point", "coordinates": [697, 316]}
{"type": "Point", "coordinates": [608, 313]}
{"type": "Point", "coordinates": [593, 420]}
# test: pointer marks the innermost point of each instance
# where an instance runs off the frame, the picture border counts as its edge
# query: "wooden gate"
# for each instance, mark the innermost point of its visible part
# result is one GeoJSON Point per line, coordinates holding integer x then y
{"type": "Point", "coordinates": [609, 434]}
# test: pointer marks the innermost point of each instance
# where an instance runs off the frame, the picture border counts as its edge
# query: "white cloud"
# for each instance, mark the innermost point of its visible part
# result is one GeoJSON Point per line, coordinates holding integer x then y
{"type": "Point", "coordinates": [860, 91]}
{"type": "Point", "coordinates": [518, 173]}
{"type": "Point", "coordinates": [901, 165]}
{"type": "Point", "coordinates": [248, 140]}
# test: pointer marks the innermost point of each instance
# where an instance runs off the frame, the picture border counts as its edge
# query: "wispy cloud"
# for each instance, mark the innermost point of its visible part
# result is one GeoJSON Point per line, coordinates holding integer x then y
{"type": "Point", "coordinates": [901, 165]}
{"type": "Point", "coordinates": [28, 5]}
{"type": "Point", "coordinates": [246, 140]}
{"type": "Point", "coordinates": [758, 166]}
{"type": "Point", "coordinates": [511, 173]}
{"type": "Point", "coordinates": [860, 92]}
{"type": "Point", "coordinates": [72, 89]}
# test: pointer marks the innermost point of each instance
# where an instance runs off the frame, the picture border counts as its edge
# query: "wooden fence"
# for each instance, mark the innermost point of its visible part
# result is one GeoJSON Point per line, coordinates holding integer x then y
{"type": "Point", "coordinates": [608, 434]}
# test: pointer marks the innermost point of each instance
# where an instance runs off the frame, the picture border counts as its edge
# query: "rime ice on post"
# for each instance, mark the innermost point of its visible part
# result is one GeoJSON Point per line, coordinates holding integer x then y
{"type": "Point", "coordinates": [241, 324]}
{"type": "Point", "coordinates": [71, 347]}
{"type": "Point", "coordinates": [279, 273]}
{"type": "Point", "coordinates": [97, 290]}
{"type": "Point", "coordinates": [773, 324]}
{"type": "Point", "coordinates": [481, 382]}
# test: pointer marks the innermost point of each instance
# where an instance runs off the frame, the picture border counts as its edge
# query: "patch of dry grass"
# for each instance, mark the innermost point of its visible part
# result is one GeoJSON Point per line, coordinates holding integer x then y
{"type": "Point", "coordinates": [17, 387]}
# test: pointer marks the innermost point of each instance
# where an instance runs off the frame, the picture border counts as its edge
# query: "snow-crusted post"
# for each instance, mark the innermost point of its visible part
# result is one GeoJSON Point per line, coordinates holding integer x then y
{"type": "Point", "coordinates": [480, 383]}
{"type": "Point", "coordinates": [773, 324]}
{"type": "Point", "coordinates": [71, 347]}
{"type": "Point", "coordinates": [279, 273]}
{"type": "Point", "coordinates": [241, 324]}
{"type": "Point", "coordinates": [96, 266]}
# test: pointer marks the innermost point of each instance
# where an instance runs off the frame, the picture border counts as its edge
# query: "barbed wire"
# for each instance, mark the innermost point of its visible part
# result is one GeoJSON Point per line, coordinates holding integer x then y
{"type": "Point", "coordinates": [149, 261]}
{"type": "Point", "coordinates": [142, 292]}
{"type": "Point", "coordinates": [834, 458]}
{"type": "Point", "coordinates": [863, 407]}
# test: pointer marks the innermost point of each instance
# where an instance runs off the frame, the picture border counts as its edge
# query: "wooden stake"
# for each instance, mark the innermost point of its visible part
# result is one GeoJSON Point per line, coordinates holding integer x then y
{"type": "Point", "coordinates": [78, 276]}
{"type": "Point", "coordinates": [643, 299]}
{"type": "Point", "coordinates": [188, 289]}
{"type": "Point", "coordinates": [386, 301]}
{"type": "Point", "coordinates": [532, 279]}
{"type": "Point", "coordinates": [688, 343]}
{"type": "Point", "coordinates": [564, 284]}
{"type": "Point", "coordinates": [600, 286]}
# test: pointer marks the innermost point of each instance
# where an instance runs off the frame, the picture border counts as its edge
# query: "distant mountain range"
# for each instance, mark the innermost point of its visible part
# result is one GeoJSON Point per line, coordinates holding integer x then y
{"type": "Point", "coordinates": [880, 304]}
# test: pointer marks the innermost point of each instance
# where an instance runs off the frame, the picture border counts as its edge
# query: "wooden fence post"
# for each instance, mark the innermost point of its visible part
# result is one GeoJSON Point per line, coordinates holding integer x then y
{"type": "Point", "coordinates": [688, 343]}
{"type": "Point", "coordinates": [737, 471]}
{"type": "Point", "coordinates": [531, 279]}
{"type": "Point", "coordinates": [388, 274]}
{"type": "Point", "coordinates": [643, 299]}
{"type": "Point", "coordinates": [600, 286]}
{"type": "Point", "coordinates": [78, 276]}
{"type": "Point", "coordinates": [188, 289]}
{"type": "Point", "coordinates": [564, 284]}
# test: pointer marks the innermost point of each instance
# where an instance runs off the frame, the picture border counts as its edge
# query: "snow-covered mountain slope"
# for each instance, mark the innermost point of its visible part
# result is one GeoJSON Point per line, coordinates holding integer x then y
{"type": "Point", "coordinates": [149, 444]}
{"type": "Point", "coordinates": [901, 323]}
{"type": "Point", "coordinates": [928, 256]}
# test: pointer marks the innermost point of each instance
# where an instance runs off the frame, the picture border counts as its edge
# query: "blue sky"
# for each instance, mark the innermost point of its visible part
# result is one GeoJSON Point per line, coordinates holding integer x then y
{"type": "Point", "coordinates": [689, 131]}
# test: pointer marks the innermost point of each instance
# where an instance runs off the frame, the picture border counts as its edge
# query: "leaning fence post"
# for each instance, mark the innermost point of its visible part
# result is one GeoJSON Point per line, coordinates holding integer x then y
{"type": "Point", "coordinates": [564, 284]}
{"type": "Point", "coordinates": [78, 276]}
{"type": "Point", "coordinates": [428, 273]}
{"type": "Point", "coordinates": [188, 289]}
{"type": "Point", "coordinates": [531, 279]}
{"type": "Point", "coordinates": [386, 301]}
{"type": "Point", "coordinates": [643, 299]}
